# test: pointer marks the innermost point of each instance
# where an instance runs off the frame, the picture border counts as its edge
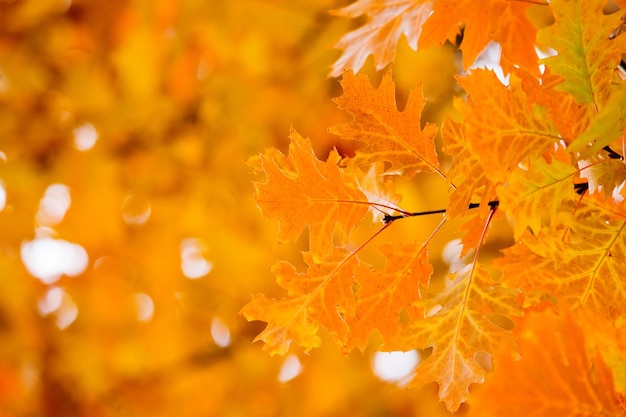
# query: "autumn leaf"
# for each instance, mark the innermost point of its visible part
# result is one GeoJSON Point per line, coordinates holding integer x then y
{"type": "Point", "coordinates": [387, 22]}
{"type": "Point", "coordinates": [389, 135]}
{"type": "Point", "coordinates": [500, 127]}
{"type": "Point", "coordinates": [323, 295]}
{"type": "Point", "coordinates": [458, 331]}
{"type": "Point", "coordinates": [586, 56]}
{"type": "Point", "coordinates": [382, 294]}
{"type": "Point", "coordinates": [534, 195]}
{"type": "Point", "coordinates": [570, 117]}
{"type": "Point", "coordinates": [304, 191]}
{"type": "Point", "coordinates": [606, 128]}
{"type": "Point", "coordinates": [479, 21]}
{"type": "Point", "coordinates": [557, 374]}
{"type": "Point", "coordinates": [526, 146]}
{"type": "Point", "coordinates": [579, 265]}
{"type": "Point", "coordinates": [287, 322]}
{"type": "Point", "coordinates": [459, 323]}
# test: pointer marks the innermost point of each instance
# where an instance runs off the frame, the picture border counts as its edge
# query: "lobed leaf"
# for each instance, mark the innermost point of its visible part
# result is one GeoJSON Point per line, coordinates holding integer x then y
{"type": "Point", "coordinates": [321, 296]}
{"type": "Point", "coordinates": [389, 135]}
{"type": "Point", "coordinates": [586, 56]}
{"type": "Point", "coordinates": [505, 22]}
{"type": "Point", "coordinates": [302, 191]}
{"type": "Point", "coordinates": [578, 265]}
{"type": "Point", "coordinates": [458, 332]}
{"type": "Point", "coordinates": [387, 22]}
{"type": "Point", "coordinates": [383, 294]}
{"type": "Point", "coordinates": [501, 128]}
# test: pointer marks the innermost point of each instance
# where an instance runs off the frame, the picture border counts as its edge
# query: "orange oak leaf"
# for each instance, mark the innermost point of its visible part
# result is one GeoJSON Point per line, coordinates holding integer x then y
{"type": "Point", "coordinates": [462, 320]}
{"type": "Point", "coordinates": [302, 191]}
{"type": "Point", "coordinates": [500, 127]}
{"type": "Point", "coordinates": [382, 294]}
{"type": "Point", "coordinates": [586, 57]}
{"type": "Point", "coordinates": [556, 376]}
{"type": "Point", "coordinates": [287, 322]}
{"type": "Point", "coordinates": [387, 22]}
{"type": "Point", "coordinates": [323, 295]}
{"type": "Point", "coordinates": [461, 329]}
{"type": "Point", "coordinates": [389, 135]}
{"type": "Point", "coordinates": [578, 262]}
{"type": "Point", "coordinates": [484, 21]}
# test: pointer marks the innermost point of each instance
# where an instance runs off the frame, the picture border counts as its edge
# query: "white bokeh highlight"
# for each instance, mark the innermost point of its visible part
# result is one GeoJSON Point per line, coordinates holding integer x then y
{"type": "Point", "coordinates": [53, 205]}
{"type": "Point", "coordinates": [290, 368]}
{"type": "Point", "coordinates": [85, 137]}
{"type": "Point", "coordinates": [144, 307]}
{"type": "Point", "coordinates": [47, 259]}
{"type": "Point", "coordinates": [220, 332]}
{"type": "Point", "coordinates": [3, 196]}
{"type": "Point", "coordinates": [396, 367]}
{"type": "Point", "coordinates": [193, 263]}
{"type": "Point", "coordinates": [136, 210]}
{"type": "Point", "coordinates": [60, 304]}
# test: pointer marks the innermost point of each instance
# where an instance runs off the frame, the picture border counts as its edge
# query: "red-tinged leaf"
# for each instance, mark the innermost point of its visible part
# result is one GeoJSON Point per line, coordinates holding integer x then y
{"type": "Point", "coordinates": [515, 34]}
{"type": "Point", "coordinates": [389, 135]}
{"type": "Point", "coordinates": [302, 191]}
{"type": "Point", "coordinates": [570, 117]}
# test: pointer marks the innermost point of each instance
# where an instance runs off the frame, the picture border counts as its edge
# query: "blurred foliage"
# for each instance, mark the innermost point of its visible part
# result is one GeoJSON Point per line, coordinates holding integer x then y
{"type": "Point", "coordinates": [176, 96]}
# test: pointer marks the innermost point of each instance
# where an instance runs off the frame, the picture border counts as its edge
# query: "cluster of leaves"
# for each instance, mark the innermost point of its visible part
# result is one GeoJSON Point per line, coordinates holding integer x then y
{"type": "Point", "coordinates": [543, 150]}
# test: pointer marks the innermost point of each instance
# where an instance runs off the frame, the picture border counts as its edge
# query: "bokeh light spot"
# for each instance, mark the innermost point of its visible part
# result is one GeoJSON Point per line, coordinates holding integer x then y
{"type": "Point", "coordinates": [397, 367]}
{"type": "Point", "coordinates": [290, 368]}
{"type": "Point", "coordinates": [220, 332]}
{"type": "Point", "coordinates": [193, 262]}
{"type": "Point", "coordinates": [85, 137]}
{"type": "Point", "coordinates": [53, 205]}
{"type": "Point", "coordinates": [136, 210]}
{"type": "Point", "coordinates": [48, 259]}
{"type": "Point", "coordinates": [145, 307]}
{"type": "Point", "coordinates": [3, 196]}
